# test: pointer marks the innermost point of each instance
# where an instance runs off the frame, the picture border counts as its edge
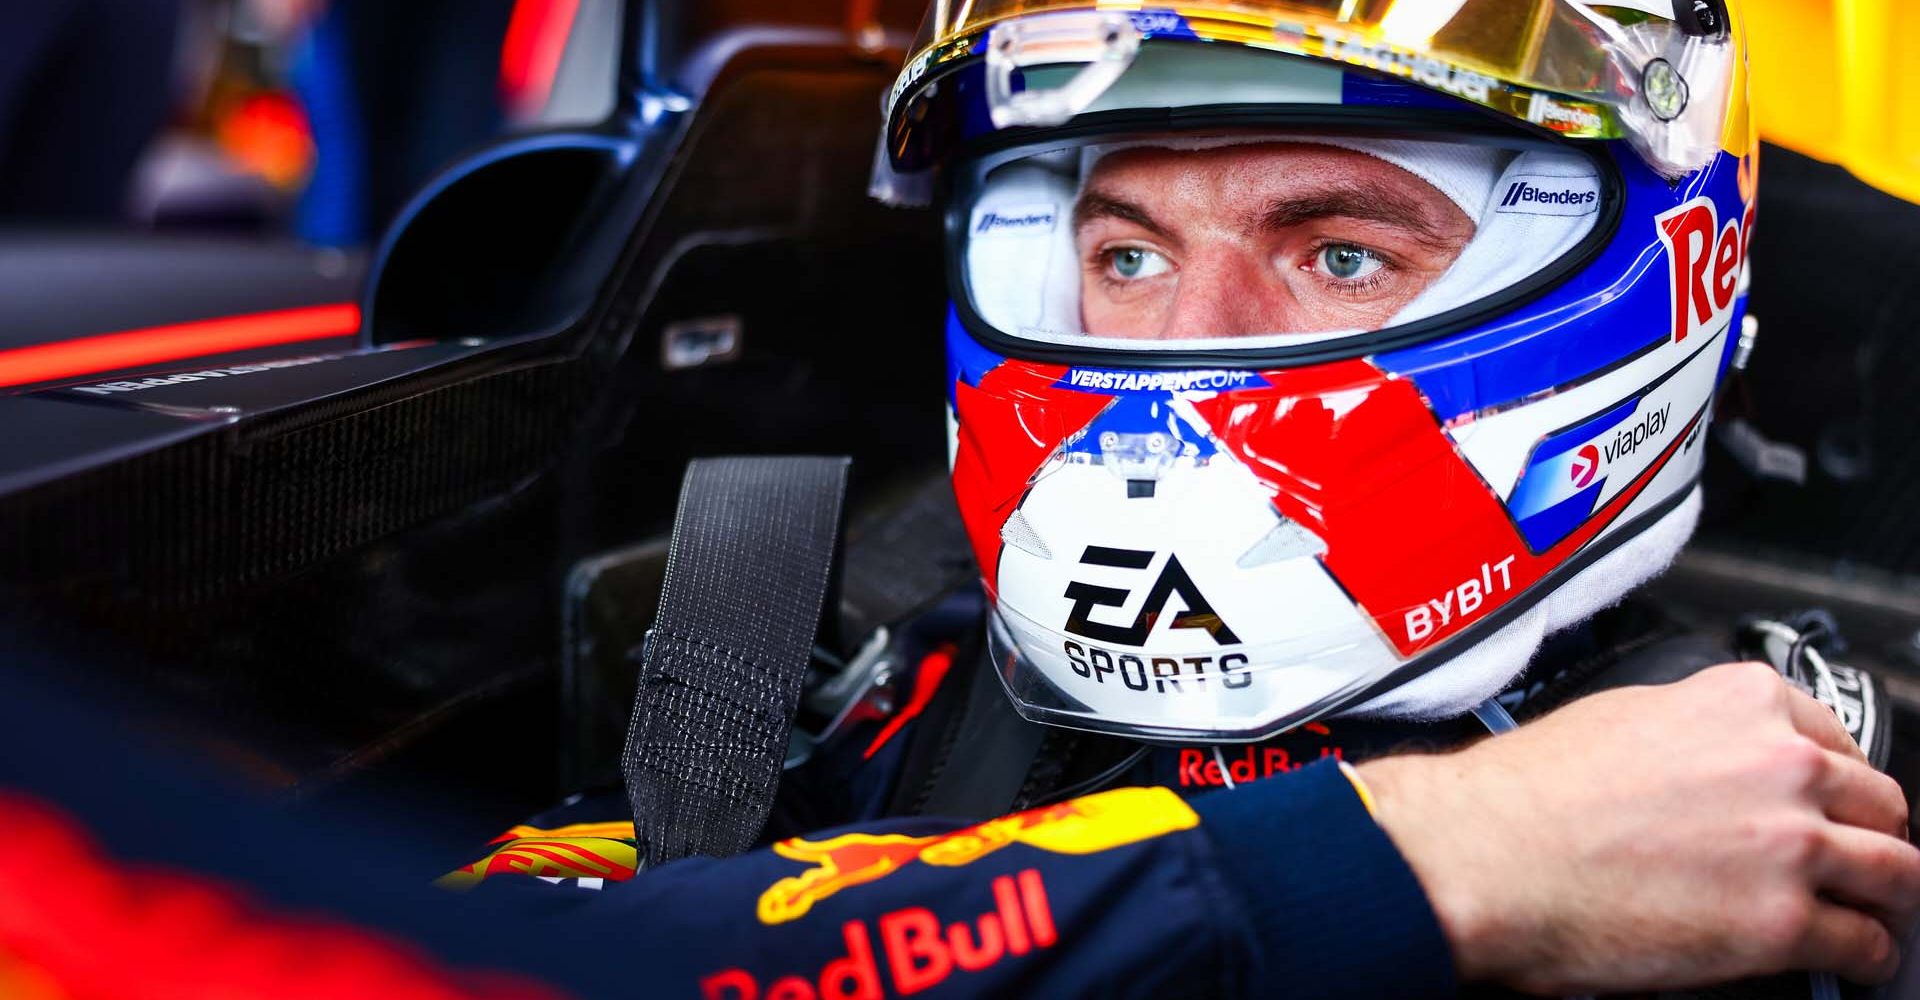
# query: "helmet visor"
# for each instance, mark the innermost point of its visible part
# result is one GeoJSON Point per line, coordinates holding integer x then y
{"type": "Point", "coordinates": [1654, 71]}
{"type": "Point", "coordinates": [1258, 239]}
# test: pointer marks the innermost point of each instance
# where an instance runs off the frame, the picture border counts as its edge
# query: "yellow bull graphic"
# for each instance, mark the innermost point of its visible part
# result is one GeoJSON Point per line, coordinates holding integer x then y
{"type": "Point", "coordinates": [1084, 826]}
{"type": "Point", "coordinates": [583, 850]}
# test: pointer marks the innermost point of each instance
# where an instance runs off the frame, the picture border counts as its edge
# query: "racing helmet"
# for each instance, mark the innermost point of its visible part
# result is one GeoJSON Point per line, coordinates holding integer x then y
{"type": "Point", "coordinates": [1320, 357]}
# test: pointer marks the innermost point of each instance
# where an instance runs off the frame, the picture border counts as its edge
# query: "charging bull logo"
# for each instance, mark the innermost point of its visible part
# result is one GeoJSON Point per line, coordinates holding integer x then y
{"type": "Point", "coordinates": [583, 850]}
{"type": "Point", "coordinates": [1084, 826]}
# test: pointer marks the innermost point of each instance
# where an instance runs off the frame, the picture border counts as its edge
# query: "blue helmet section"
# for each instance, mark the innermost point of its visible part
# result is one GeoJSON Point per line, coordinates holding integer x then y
{"type": "Point", "coordinates": [1619, 305]}
{"type": "Point", "coordinates": [1615, 308]}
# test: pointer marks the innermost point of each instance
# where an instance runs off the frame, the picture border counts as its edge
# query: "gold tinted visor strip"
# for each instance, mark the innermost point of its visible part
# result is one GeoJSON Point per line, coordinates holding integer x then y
{"type": "Point", "coordinates": [1542, 62]}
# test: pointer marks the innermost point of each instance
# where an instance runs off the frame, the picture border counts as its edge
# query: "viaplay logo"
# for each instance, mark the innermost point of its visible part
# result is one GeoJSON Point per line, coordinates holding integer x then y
{"type": "Point", "coordinates": [1627, 440]}
{"type": "Point", "coordinates": [1586, 462]}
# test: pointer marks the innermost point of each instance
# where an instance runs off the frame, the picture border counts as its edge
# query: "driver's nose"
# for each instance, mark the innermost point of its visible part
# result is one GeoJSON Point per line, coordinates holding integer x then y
{"type": "Point", "coordinates": [1230, 293]}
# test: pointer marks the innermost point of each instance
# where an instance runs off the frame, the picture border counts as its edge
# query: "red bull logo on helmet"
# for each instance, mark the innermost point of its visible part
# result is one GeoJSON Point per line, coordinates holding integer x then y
{"type": "Point", "coordinates": [1707, 259]}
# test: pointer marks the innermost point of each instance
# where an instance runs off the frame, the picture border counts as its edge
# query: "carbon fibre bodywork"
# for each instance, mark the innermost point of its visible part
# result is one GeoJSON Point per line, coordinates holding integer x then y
{"type": "Point", "coordinates": [344, 560]}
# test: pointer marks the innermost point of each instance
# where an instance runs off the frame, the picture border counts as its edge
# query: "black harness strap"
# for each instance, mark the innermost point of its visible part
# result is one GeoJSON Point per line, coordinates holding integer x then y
{"type": "Point", "coordinates": [901, 564]}
{"type": "Point", "coordinates": [971, 755]}
{"type": "Point", "coordinates": [995, 749]}
{"type": "Point", "coordinates": [748, 574]}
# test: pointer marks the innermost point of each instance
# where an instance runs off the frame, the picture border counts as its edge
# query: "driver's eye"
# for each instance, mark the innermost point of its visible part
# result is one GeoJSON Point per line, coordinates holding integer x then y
{"type": "Point", "coordinates": [1348, 262]}
{"type": "Point", "coordinates": [1133, 263]}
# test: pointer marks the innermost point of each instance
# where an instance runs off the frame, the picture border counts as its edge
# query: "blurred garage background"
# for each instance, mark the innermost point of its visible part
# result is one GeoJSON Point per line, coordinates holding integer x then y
{"type": "Point", "coordinates": [168, 163]}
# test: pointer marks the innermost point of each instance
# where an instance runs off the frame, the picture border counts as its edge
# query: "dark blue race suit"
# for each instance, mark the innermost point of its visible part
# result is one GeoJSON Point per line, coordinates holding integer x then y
{"type": "Point", "coordinates": [1251, 871]}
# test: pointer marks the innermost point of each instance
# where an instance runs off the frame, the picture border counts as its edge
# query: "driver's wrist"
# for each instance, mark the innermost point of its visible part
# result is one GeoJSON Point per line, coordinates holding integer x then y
{"type": "Point", "coordinates": [1417, 800]}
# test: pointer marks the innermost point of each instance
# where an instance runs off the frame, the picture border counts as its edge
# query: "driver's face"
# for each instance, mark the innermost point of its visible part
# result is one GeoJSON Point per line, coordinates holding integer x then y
{"type": "Point", "coordinates": [1269, 238]}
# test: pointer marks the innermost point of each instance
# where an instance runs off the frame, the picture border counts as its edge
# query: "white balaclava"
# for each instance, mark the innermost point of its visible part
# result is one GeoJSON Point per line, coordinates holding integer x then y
{"type": "Point", "coordinates": [1024, 275]}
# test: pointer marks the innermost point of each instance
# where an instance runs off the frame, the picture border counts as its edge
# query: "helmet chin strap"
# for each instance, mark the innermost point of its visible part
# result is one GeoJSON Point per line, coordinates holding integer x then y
{"type": "Point", "coordinates": [1495, 717]}
{"type": "Point", "coordinates": [1465, 683]}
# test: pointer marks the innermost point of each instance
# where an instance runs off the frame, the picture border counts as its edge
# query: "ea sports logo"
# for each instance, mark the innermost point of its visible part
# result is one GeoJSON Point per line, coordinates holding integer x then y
{"type": "Point", "coordinates": [1173, 582]}
{"type": "Point", "coordinates": [1585, 463]}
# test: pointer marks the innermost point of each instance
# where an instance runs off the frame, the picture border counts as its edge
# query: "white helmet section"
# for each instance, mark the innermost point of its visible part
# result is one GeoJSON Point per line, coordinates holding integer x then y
{"type": "Point", "coordinates": [1198, 610]}
{"type": "Point", "coordinates": [1303, 646]}
{"type": "Point", "coordinates": [1195, 609]}
{"type": "Point", "coordinates": [1020, 259]}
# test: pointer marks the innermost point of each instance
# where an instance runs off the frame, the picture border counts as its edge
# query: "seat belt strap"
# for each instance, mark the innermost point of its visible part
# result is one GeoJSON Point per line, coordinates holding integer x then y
{"type": "Point", "coordinates": [993, 751]}
{"type": "Point", "coordinates": [749, 572]}
{"type": "Point", "coordinates": [903, 563]}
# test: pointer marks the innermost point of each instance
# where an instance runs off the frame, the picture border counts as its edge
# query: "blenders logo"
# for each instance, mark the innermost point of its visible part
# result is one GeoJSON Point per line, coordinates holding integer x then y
{"type": "Point", "coordinates": [1155, 674]}
{"type": "Point", "coordinates": [1522, 192]}
{"type": "Point", "coordinates": [1019, 220]}
{"type": "Point", "coordinates": [1544, 110]}
{"type": "Point", "coordinates": [1585, 463]}
{"type": "Point", "coordinates": [1551, 196]}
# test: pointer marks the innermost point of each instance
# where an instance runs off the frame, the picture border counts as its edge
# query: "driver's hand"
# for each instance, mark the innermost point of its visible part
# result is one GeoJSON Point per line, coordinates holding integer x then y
{"type": "Point", "coordinates": [1660, 837]}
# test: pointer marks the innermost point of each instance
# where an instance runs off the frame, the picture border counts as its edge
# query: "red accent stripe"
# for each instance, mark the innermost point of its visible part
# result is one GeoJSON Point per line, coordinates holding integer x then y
{"type": "Point", "coordinates": [1405, 517]}
{"type": "Point", "coordinates": [77, 923]}
{"type": "Point", "coordinates": [926, 681]}
{"type": "Point", "coordinates": [530, 57]}
{"type": "Point", "coordinates": [156, 345]}
{"type": "Point", "coordinates": [1009, 426]}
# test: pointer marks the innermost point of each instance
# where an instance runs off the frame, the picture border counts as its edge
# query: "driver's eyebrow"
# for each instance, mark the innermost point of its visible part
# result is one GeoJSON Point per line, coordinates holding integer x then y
{"type": "Point", "coordinates": [1095, 205]}
{"type": "Point", "coordinates": [1384, 207]}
